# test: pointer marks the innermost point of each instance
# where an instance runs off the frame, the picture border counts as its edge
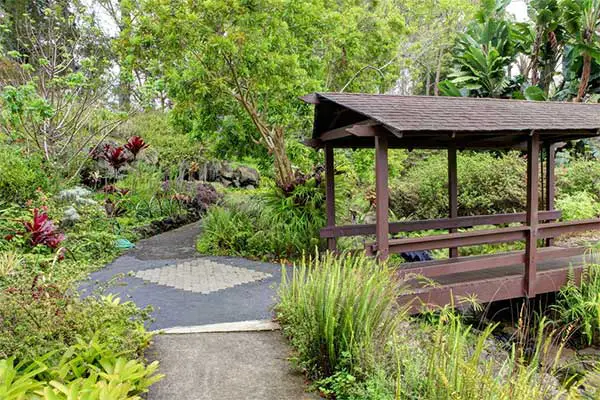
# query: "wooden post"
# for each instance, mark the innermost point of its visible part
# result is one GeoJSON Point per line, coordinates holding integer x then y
{"type": "Point", "coordinates": [382, 197]}
{"type": "Point", "coordinates": [452, 191]}
{"type": "Point", "coordinates": [533, 160]}
{"type": "Point", "coordinates": [550, 182]}
{"type": "Point", "coordinates": [330, 193]}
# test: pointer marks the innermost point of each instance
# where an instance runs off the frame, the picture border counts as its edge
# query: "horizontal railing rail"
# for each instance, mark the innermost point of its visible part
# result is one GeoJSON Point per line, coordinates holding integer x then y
{"type": "Point", "coordinates": [553, 229]}
{"type": "Point", "coordinates": [458, 239]}
{"type": "Point", "coordinates": [435, 268]}
{"type": "Point", "coordinates": [432, 224]}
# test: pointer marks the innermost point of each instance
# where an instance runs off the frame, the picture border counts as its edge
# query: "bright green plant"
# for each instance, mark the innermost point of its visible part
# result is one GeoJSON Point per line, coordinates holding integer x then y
{"type": "Point", "coordinates": [86, 370]}
{"type": "Point", "coordinates": [338, 312]}
{"type": "Point", "coordinates": [580, 205]}
{"type": "Point", "coordinates": [487, 184]}
{"type": "Point", "coordinates": [18, 382]}
{"type": "Point", "coordinates": [21, 175]}
{"type": "Point", "coordinates": [579, 175]}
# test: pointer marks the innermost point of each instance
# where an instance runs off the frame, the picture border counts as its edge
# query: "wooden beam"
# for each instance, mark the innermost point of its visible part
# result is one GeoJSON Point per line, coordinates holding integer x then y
{"type": "Point", "coordinates": [550, 181]}
{"type": "Point", "coordinates": [533, 163]}
{"type": "Point", "coordinates": [487, 290]}
{"type": "Point", "coordinates": [362, 129]}
{"type": "Point", "coordinates": [448, 266]}
{"type": "Point", "coordinates": [452, 191]}
{"type": "Point", "coordinates": [310, 98]}
{"type": "Point", "coordinates": [330, 193]}
{"type": "Point", "coordinates": [382, 196]}
{"type": "Point", "coordinates": [554, 229]}
{"type": "Point", "coordinates": [367, 130]}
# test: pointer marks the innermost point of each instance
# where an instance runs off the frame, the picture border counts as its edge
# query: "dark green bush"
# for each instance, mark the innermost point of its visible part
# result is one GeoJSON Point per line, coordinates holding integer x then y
{"type": "Point", "coordinates": [20, 175]}
{"type": "Point", "coordinates": [487, 184]}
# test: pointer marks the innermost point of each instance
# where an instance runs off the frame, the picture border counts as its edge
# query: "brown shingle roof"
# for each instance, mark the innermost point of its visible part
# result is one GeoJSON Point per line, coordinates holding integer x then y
{"type": "Point", "coordinates": [429, 113]}
{"type": "Point", "coordinates": [426, 121]}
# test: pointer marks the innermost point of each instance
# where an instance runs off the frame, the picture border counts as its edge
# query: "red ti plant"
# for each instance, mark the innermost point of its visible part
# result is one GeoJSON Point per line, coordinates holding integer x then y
{"type": "Point", "coordinates": [42, 231]}
{"type": "Point", "coordinates": [135, 144]}
{"type": "Point", "coordinates": [116, 157]}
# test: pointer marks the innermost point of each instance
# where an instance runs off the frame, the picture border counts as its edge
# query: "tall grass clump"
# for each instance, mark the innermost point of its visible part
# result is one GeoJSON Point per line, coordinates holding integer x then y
{"type": "Point", "coordinates": [579, 306]}
{"type": "Point", "coordinates": [463, 364]}
{"type": "Point", "coordinates": [339, 312]}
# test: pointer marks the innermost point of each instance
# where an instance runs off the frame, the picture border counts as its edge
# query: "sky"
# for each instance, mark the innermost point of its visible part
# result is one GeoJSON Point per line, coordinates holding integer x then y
{"type": "Point", "coordinates": [518, 8]}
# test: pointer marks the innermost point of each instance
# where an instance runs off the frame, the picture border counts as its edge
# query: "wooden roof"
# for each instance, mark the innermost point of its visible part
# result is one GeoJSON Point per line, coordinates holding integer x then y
{"type": "Point", "coordinates": [352, 120]}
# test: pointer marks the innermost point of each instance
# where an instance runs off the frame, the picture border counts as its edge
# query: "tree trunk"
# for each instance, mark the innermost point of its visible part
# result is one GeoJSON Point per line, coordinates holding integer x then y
{"type": "Point", "coordinates": [282, 164]}
{"type": "Point", "coordinates": [438, 71]}
{"type": "Point", "coordinates": [585, 77]}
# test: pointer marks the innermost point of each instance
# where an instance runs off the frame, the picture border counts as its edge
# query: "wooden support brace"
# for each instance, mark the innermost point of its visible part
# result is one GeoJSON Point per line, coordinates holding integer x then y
{"type": "Point", "coordinates": [330, 193]}
{"type": "Point", "coordinates": [382, 197]}
{"type": "Point", "coordinates": [533, 156]}
{"type": "Point", "coordinates": [452, 191]}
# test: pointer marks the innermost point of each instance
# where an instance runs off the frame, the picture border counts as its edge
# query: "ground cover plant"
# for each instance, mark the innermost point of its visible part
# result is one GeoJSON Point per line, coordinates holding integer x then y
{"type": "Point", "coordinates": [356, 343]}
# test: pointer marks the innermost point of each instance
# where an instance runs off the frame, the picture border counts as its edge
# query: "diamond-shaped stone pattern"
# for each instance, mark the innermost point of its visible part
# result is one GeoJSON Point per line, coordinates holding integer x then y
{"type": "Point", "coordinates": [201, 276]}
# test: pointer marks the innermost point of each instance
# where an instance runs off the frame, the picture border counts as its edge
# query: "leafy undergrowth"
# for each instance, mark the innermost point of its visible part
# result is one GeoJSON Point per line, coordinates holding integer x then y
{"type": "Point", "coordinates": [355, 343]}
{"type": "Point", "coordinates": [272, 224]}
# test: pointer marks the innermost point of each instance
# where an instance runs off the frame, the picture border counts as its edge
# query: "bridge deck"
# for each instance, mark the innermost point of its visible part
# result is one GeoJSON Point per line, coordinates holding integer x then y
{"type": "Point", "coordinates": [487, 284]}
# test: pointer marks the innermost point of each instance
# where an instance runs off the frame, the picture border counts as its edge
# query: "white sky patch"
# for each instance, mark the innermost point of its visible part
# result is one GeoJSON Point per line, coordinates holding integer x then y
{"type": "Point", "coordinates": [518, 8]}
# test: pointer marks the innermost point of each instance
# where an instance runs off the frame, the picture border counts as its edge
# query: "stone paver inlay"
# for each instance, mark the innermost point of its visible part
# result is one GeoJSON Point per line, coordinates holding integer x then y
{"type": "Point", "coordinates": [201, 276]}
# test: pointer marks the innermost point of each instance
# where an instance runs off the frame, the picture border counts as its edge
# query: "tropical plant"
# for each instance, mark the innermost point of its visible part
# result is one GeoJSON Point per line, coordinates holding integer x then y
{"type": "Point", "coordinates": [582, 22]}
{"type": "Point", "coordinates": [136, 144]}
{"type": "Point", "coordinates": [42, 231]}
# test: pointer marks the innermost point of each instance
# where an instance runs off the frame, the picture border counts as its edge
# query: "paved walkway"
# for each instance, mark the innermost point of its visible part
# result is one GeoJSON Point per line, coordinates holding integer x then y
{"type": "Point", "coordinates": [187, 289]}
{"type": "Point", "coordinates": [192, 293]}
{"type": "Point", "coordinates": [226, 366]}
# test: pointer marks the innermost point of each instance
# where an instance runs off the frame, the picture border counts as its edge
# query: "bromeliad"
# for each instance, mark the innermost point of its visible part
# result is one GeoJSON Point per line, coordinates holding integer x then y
{"type": "Point", "coordinates": [135, 144]}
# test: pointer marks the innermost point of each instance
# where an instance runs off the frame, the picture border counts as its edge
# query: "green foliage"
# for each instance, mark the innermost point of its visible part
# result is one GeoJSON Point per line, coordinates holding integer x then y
{"type": "Point", "coordinates": [87, 369]}
{"type": "Point", "coordinates": [240, 87]}
{"type": "Point", "coordinates": [338, 313]}
{"type": "Point", "coordinates": [271, 225]}
{"type": "Point", "coordinates": [579, 176]}
{"type": "Point", "coordinates": [482, 56]}
{"type": "Point", "coordinates": [487, 184]}
{"type": "Point", "coordinates": [171, 146]}
{"type": "Point", "coordinates": [46, 318]}
{"type": "Point", "coordinates": [581, 205]}
{"type": "Point", "coordinates": [20, 175]}
{"type": "Point", "coordinates": [341, 316]}
{"type": "Point", "coordinates": [578, 306]}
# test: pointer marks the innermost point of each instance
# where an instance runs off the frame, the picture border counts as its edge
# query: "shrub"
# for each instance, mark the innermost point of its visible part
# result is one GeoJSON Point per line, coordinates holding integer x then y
{"type": "Point", "coordinates": [20, 175]}
{"type": "Point", "coordinates": [338, 313]}
{"type": "Point", "coordinates": [580, 205]}
{"type": "Point", "coordinates": [44, 318]}
{"type": "Point", "coordinates": [270, 225]}
{"type": "Point", "coordinates": [486, 185]}
{"type": "Point", "coordinates": [579, 176]}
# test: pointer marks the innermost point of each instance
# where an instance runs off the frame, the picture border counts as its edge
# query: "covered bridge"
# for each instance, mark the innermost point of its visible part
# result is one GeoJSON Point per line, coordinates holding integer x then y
{"type": "Point", "coordinates": [383, 122]}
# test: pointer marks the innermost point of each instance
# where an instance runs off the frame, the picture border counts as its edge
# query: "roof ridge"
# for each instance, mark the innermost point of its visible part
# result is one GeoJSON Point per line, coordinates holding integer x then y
{"type": "Point", "coordinates": [453, 98]}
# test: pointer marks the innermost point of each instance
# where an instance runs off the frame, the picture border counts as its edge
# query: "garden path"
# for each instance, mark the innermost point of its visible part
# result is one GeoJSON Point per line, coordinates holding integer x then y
{"type": "Point", "coordinates": [187, 289]}
{"type": "Point", "coordinates": [206, 352]}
